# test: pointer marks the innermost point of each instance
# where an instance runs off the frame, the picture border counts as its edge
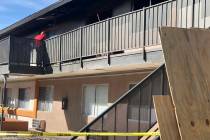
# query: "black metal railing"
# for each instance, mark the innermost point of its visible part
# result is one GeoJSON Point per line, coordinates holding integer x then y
{"type": "Point", "coordinates": [22, 51]}
{"type": "Point", "coordinates": [133, 30]}
{"type": "Point", "coordinates": [134, 111]}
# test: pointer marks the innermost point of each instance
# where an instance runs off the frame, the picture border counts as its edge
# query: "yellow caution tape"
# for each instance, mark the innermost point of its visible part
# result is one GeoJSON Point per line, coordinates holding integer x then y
{"type": "Point", "coordinates": [34, 134]}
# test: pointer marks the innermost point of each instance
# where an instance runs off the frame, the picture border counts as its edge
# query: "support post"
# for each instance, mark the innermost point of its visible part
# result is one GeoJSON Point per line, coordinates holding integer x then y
{"type": "Point", "coordinates": [81, 41]}
{"type": "Point", "coordinates": [144, 43]}
{"type": "Point", "coordinates": [193, 14]}
{"type": "Point", "coordinates": [60, 53]}
{"type": "Point", "coordinates": [109, 43]}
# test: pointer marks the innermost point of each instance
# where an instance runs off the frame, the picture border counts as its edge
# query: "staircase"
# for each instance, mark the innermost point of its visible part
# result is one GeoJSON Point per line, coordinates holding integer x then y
{"type": "Point", "coordinates": [132, 112]}
{"type": "Point", "coordinates": [154, 128]}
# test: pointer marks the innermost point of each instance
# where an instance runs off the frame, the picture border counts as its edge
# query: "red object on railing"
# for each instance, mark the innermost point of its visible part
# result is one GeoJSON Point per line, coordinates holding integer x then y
{"type": "Point", "coordinates": [38, 38]}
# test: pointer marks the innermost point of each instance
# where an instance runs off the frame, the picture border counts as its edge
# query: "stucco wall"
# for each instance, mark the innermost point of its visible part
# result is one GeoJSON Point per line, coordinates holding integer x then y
{"type": "Point", "coordinates": [72, 118]}
{"type": "Point", "coordinates": [15, 86]}
{"type": "Point", "coordinates": [14, 89]}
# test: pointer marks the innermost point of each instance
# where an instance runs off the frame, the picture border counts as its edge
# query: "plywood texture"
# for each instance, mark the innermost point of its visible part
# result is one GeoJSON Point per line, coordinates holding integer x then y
{"type": "Point", "coordinates": [187, 58]}
{"type": "Point", "coordinates": [166, 118]}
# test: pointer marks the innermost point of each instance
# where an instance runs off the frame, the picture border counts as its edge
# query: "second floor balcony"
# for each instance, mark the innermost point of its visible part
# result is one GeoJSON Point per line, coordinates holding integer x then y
{"type": "Point", "coordinates": [131, 38]}
{"type": "Point", "coordinates": [23, 56]}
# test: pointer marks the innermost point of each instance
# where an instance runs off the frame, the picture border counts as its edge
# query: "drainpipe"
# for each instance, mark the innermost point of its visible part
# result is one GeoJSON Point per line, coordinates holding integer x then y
{"type": "Point", "coordinates": [2, 99]}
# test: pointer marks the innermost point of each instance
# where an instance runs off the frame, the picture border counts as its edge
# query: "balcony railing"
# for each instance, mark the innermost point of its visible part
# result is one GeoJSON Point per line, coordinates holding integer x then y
{"type": "Point", "coordinates": [132, 30]}
{"type": "Point", "coordinates": [134, 111]}
{"type": "Point", "coordinates": [22, 55]}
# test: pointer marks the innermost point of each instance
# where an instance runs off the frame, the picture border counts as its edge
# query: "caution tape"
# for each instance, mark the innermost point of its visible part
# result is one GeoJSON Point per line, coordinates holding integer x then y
{"type": "Point", "coordinates": [103, 134]}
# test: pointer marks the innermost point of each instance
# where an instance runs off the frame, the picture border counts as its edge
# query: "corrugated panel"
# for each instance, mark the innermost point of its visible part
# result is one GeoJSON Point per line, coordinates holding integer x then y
{"type": "Point", "coordinates": [5, 48]}
{"type": "Point", "coordinates": [23, 51]}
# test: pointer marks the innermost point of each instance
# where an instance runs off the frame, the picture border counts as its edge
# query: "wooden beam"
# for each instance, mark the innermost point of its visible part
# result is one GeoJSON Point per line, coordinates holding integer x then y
{"type": "Point", "coordinates": [153, 129]}
{"type": "Point", "coordinates": [166, 118]}
{"type": "Point", "coordinates": [187, 58]}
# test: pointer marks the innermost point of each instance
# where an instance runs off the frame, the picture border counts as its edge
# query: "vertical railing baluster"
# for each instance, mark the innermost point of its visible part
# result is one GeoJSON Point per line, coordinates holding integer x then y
{"type": "Point", "coordinates": [144, 36]}
{"type": "Point", "coordinates": [166, 14]}
{"type": "Point", "coordinates": [121, 26]}
{"type": "Point", "coordinates": [132, 31]}
{"type": "Point", "coordinates": [199, 13]}
{"type": "Point", "coordinates": [109, 42]}
{"type": "Point", "coordinates": [118, 33]}
{"type": "Point", "coordinates": [81, 45]}
{"type": "Point", "coordinates": [148, 28]}
{"type": "Point", "coordinates": [153, 17]}
{"type": "Point", "coordinates": [136, 22]}
{"type": "Point", "coordinates": [181, 13]}
{"type": "Point", "coordinates": [102, 124]}
{"type": "Point", "coordinates": [193, 13]}
{"type": "Point", "coordinates": [171, 13]}
{"type": "Point", "coordinates": [87, 130]}
{"type": "Point", "coordinates": [176, 13]}
{"type": "Point", "coordinates": [140, 29]}
{"type": "Point", "coordinates": [60, 53]}
{"type": "Point", "coordinates": [150, 103]}
{"type": "Point", "coordinates": [157, 39]}
{"type": "Point", "coordinates": [128, 101]}
{"type": "Point", "coordinates": [204, 15]}
{"type": "Point", "coordinates": [115, 120]}
{"type": "Point", "coordinates": [139, 119]}
{"type": "Point", "coordinates": [187, 7]}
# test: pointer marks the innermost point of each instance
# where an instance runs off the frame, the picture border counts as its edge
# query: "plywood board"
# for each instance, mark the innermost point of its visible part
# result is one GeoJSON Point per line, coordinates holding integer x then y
{"type": "Point", "coordinates": [187, 58]}
{"type": "Point", "coordinates": [166, 118]}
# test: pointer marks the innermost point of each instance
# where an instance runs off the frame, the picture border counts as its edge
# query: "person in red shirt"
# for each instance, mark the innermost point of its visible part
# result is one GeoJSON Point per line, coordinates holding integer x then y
{"type": "Point", "coordinates": [39, 38]}
{"type": "Point", "coordinates": [40, 47]}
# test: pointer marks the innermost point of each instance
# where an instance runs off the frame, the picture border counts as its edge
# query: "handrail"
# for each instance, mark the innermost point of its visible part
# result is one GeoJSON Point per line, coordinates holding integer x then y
{"type": "Point", "coordinates": [131, 12]}
{"type": "Point", "coordinates": [120, 99]}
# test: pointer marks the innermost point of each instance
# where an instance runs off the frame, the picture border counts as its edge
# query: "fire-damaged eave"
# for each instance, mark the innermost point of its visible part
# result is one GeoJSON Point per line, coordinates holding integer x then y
{"type": "Point", "coordinates": [32, 17]}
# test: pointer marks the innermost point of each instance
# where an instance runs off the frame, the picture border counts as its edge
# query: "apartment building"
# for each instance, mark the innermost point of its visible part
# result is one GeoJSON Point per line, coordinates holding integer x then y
{"type": "Point", "coordinates": [96, 57]}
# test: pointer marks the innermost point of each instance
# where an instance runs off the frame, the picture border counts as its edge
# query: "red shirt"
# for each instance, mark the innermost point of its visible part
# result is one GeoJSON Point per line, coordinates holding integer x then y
{"type": "Point", "coordinates": [38, 38]}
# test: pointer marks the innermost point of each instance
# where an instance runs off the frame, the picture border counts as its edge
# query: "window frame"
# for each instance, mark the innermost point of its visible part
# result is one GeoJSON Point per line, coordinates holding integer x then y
{"type": "Point", "coordinates": [51, 102]}
{"type": "Point", "coordinates": [95, 107]}
{"type": "Point", "coordinates": [18, 105]}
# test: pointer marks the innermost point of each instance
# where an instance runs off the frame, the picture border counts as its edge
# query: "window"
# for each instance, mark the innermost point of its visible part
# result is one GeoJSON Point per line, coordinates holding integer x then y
{"type": "Point", "coordinates": [95, 99]}
{"type": "Point", "coordinates": [10, 100]}
{"type": "Point", "coordinates": [45, 98]}
{"type": "Point", "coordinates": [24, 98]}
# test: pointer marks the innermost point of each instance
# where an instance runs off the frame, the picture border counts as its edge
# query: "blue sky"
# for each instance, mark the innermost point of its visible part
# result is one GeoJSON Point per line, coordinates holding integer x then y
{"type": "Point", "coordinates": [14, 10]}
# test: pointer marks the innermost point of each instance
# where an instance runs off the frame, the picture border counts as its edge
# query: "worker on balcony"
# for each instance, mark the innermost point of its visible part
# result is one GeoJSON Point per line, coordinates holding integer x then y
{"type": "Point", "coordinates": [39, 38]}
{"type": "Point", "coordinates": [40, 46]}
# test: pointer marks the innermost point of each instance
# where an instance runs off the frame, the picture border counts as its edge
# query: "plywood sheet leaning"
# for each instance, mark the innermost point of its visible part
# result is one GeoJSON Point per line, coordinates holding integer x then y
{"type": "Point", "coordinates": [187, 58]}
{"type": "Point", "coordinates": [166, 118]}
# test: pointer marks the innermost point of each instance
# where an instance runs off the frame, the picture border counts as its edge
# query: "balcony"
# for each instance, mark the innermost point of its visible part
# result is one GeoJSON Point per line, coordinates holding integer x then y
{"type": "Point", "coordinates": [131, 38]}
{"type": "Point", "coordinates": [21, 56]}
{"type": "Point", "coordinates": [125, 39]}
